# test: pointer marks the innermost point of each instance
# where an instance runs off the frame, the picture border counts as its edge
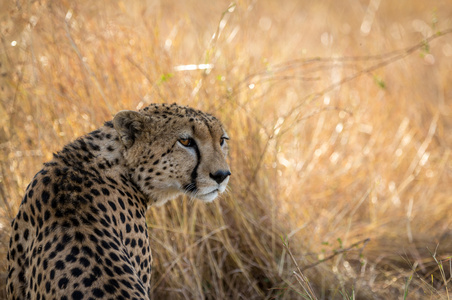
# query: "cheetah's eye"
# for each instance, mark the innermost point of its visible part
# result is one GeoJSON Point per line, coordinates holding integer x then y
{"type": "Point", "coordinates": [188, 142]}
{"type": "Point", "coordinates": [222, 140]}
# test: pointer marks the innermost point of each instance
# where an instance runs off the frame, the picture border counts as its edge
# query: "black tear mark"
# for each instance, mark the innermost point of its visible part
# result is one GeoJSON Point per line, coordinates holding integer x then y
{"type": "Point", "coordinates": [191, 187]}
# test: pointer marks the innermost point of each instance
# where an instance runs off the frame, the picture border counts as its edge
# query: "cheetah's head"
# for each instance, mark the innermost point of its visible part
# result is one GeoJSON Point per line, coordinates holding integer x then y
{"type": "Point", "coordinates": [172, 150]}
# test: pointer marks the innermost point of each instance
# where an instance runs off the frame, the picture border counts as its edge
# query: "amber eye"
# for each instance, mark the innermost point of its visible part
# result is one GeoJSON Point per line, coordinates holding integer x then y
{"type": "Point", "coordinates": [222, 140]}
{"type": "Point", "coordinates": [189, 142]}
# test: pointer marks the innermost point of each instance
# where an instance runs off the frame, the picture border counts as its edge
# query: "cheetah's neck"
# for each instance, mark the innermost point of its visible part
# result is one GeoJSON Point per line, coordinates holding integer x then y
{"type": "Point", "coordinates": [100, 149]}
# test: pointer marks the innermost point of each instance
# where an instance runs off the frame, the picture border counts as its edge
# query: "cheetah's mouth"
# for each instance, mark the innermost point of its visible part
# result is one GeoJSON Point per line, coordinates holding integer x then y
{"type": "Point", "coordinates": [208, 197]}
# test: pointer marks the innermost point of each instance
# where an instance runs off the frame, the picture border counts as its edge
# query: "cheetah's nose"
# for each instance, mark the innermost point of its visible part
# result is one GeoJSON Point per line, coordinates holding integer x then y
{"type": "Point", "coordinates": [220, 175]}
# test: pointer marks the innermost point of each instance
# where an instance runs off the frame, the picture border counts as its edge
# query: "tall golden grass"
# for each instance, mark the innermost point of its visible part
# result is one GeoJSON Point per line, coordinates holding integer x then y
{"type": "Point", "coordinates": [340, 117]}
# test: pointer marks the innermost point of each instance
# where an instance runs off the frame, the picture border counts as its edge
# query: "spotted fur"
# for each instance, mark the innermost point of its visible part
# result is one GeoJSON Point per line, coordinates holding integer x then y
{"type": "Point", "coordinates": [81, 232]}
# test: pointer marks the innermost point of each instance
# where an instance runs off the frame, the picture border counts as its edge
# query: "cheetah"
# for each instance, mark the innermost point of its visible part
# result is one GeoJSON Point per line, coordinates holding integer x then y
{"type": "Point", "coordinates": [80, 232]}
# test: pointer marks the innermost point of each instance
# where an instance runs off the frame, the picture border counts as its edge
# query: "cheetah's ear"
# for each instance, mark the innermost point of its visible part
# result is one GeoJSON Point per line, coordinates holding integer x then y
{"type": "Point", "coordinates": [129, 124]}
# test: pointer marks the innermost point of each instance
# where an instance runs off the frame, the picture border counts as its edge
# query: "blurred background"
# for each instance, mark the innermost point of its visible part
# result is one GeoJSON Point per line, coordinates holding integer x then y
{"type": "Point", "coordinates": [340, 118]}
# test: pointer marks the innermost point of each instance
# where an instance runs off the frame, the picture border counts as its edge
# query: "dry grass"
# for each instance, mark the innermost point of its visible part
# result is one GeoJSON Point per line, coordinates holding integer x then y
{"type": "Point", "coordinates": [340, 114]}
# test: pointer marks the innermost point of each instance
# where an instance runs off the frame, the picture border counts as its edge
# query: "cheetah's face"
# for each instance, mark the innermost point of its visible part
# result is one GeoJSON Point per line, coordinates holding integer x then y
{"type": "Point", "coordinates": [173, 150]}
